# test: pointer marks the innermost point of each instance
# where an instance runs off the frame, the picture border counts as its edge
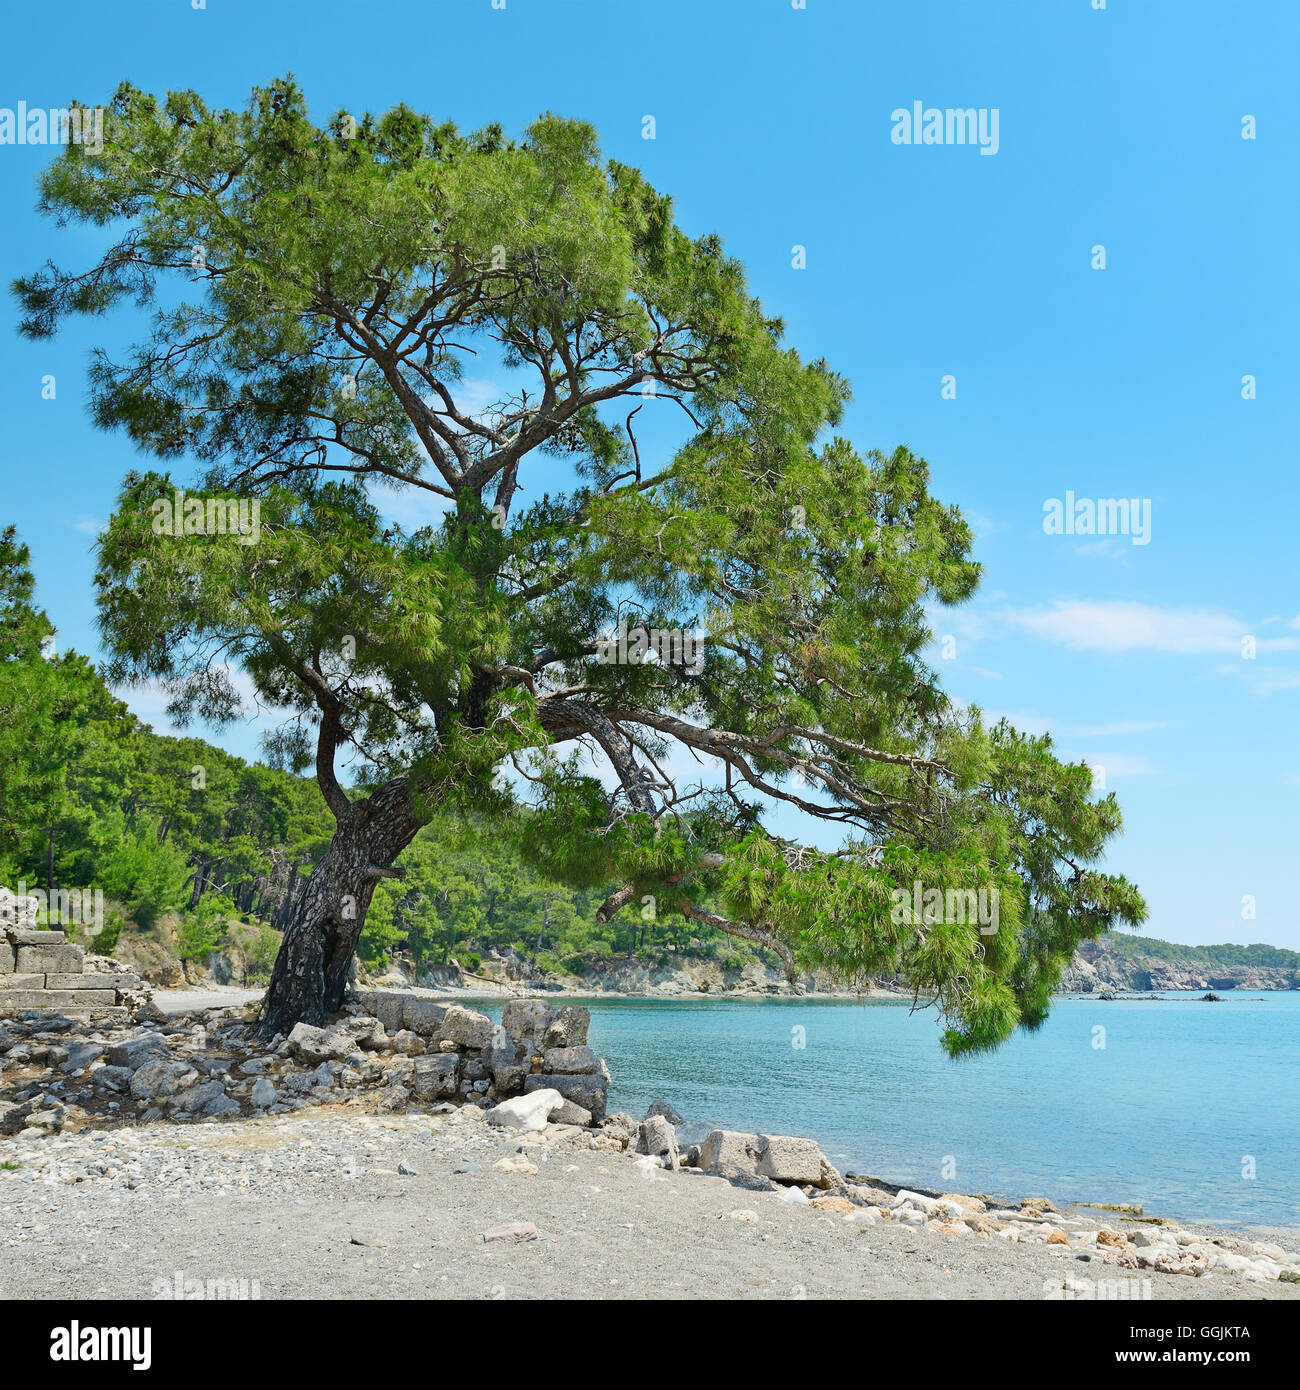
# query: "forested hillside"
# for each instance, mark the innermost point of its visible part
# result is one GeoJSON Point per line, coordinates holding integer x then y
{"type": "Point", "coordinates": [91, 797]}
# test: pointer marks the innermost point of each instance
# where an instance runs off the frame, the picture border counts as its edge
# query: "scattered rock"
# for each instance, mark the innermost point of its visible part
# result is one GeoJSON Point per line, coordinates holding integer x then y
{"type": "Point", "coordinates": [516, 1163]}
{"type": "Point", "coordinates": [570, 1114]}
{"type": "Point", "coordinates": [264, 1094]}
{"type": "Point", "coordinates": [527, 1113]}
{"type": "Point", "coordinates": [588, 1091]}
{"type": "Point", "coordinates": [515, 1234]}
{"type": "Point", "coordinates": [136, 1051]}
{"type": "Point", "coordinates": [162, 1078]}
{"type": "Point", "coordinates": [841, 1205]}
{"type": "Point", "coordinates": [661, 1107]}
{"type": "Point", "coordinates": [657, 1138]}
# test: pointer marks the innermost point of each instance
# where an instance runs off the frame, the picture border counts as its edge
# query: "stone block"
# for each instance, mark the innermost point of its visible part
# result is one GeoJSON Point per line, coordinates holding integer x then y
{"type": "Point", "coordinates": [465, 1028]}
{"type": "Point", "coordinates": [787, 1159]}
{"type": "Point", "coordinates": [94, 981]}
{"type": "Point", "coordinates": [570, 1061]}
{"type": "Point", "coordinates": [23, 981]}
{"type": "Point", "coordinates": [15, 1000]}
{"type": "Point", "coordinates": [47, 960]}
{"type": "Point", "coordinates": [725, 1148]}
{"type": "Point", "coordinates": [567, 1027]}
{"type": "Point", "coordinates": [108, 979]}
{"type": "Point", "coordinates": [32, 937]}
{"type": "Point", "coordinates": [383, 1004]}
{"type": "Point", "coordinates": [422, 1016]}
{"type": "Point", "coordinates": [6, 957]}
{"type": "Point", "coordinates": [434, 1076]}
{"type": "Point", "coordinates": [524, 1018]}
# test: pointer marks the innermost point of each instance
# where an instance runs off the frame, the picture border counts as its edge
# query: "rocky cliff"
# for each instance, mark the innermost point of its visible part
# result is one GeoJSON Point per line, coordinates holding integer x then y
{"type": "Point", "coordinates": [1126, 965]}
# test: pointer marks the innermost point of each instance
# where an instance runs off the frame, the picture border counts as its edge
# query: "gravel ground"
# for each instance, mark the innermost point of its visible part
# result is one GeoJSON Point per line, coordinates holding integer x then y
{"type": "Point", "coordinates": [312, 1204]}
{"type": "Point", "coordinates": [184, 1001]}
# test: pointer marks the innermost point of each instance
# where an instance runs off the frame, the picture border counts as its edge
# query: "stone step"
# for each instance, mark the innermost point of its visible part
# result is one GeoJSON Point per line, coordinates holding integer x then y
{"type": "Point", "coordinates": [95, 979]}
{"type": "Point", "coordinates": [46, 960]}
{"type": "Point", "coordinates": [32, 936]}
{"type": "Point", "coordinates": [14, 1000]}
{"type": "Point", "coordinates": [23, 981]}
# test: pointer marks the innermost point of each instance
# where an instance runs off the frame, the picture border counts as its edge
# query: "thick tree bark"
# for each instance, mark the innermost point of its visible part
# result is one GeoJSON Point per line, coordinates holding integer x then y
{"type": "Point", "coordinates": [315, 957]}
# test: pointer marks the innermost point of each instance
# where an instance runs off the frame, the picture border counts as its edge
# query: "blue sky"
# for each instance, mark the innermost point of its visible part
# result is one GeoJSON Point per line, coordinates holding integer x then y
{"type": "Point", "coordinates": [1119, 127]}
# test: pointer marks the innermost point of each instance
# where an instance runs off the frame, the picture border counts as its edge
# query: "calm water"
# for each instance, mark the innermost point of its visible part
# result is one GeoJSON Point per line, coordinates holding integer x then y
{"type": "Point", "coordinates": [1164, 1114]}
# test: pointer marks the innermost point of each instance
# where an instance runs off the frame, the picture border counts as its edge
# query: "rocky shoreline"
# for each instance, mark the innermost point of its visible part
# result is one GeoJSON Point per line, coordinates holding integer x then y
{"type": "Point", "coordinates": [178, 1111]}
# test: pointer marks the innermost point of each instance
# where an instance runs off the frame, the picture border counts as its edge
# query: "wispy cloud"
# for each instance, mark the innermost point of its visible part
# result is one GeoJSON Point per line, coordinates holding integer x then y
{"type": "Point", "coordinates": [1123, 626]}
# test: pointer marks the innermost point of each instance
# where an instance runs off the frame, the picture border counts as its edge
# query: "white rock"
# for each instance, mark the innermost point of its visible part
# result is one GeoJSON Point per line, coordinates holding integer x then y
{"type": "Point", "coordinates": [526, 1114]}
{"type": "Point", "coordinates": [516, 1163]}
{"type": "Point", "coordinates": [929, 1205]}
{"type": "Point", "coordinates": [1234, 1264]}
{"type": "Point", "coordinates": [948, 1228]}
{"type": "Point", "coordinates": [792, 1195]}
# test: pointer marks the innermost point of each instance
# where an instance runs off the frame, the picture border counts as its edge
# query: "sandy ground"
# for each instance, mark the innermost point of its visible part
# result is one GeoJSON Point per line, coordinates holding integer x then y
{"type": "Point", "coordinates": [313, 1205]}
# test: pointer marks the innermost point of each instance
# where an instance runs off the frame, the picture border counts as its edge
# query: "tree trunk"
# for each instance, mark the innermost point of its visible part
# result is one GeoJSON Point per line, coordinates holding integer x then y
{"type": "Point", "coordinates": [285, 909]}
{"type": "Point", "coordinates": [200, 869]}
{"type": "Point", "coordinates": [315, 957]}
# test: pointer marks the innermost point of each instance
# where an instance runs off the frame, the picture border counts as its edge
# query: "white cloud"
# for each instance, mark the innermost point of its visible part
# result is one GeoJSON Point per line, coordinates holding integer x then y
{"type": "Point", "coordinates": [1122, 626]}
{"type": "Point", "coordinates": [1263, 680]}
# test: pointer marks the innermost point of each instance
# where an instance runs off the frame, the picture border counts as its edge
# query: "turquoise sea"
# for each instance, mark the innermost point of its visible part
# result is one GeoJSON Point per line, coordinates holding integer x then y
{"type": "Point", "coordinates": [1191, 1109]}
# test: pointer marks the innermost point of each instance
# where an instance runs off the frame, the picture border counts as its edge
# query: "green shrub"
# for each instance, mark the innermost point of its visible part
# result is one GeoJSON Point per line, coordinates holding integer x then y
{"type": "Point", "coordinates": [260, 951]}
{"type": "Point", "coordinates": [204, 930]}
{"type": "Point", "coordinates": [105, 943]}
{"type": "Point", "coordinates": [575, 965]}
